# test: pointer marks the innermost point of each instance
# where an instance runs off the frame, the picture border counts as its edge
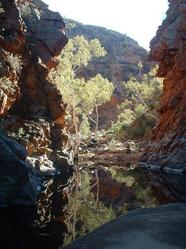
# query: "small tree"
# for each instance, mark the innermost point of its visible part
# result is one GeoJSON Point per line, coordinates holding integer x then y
{"type": "Point", "coordinates": [140, 66]}
{"type": "Point", "coordinates": [1, 9]}
{"type": "Point", "coordinates": [101, 91]}
{"type": "Point", "coordinates": [80, 95]}
{"type": "Point", "coordinates": [138, 111]}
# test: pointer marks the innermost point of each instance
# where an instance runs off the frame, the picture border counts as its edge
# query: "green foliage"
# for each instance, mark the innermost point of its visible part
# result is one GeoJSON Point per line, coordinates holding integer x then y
{"type": "Point", "coordinates": [25, 9]}
{"type": "Point", "coordinates": [138, 111]}
{"type": "Point", "coordinates": [136, 180]}
{"type": "Point", "coordinates": [80, 95]}
{"type": "Point", "coordinates": [29, 9]}
{"type": "Point", "coordinates": [1, 9]}
{"type": "Point", "coordinates": [99, 89]}
{"type": "Point", "coordinates": [85, 127]}
{"type": "Point", "coordinates": [13, 64]}
{"type": "Point", "coordinates": [140, 66]}
{"type": "Point", "coordinates": [79, 52]}
{"type": "Point", "coordinates": [70, 25]}
{"type": "Point", "coordinates": [15, 61]}
{"type": "Point", "coordinates": [7, 86]}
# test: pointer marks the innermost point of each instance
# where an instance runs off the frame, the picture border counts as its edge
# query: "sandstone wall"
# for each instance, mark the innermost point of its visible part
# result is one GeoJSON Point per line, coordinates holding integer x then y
{"type": "Point", "coordinates": [168, 145]}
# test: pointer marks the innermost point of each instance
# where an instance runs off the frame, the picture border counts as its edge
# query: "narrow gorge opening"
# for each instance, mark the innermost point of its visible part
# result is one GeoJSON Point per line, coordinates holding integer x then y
{"type": "Point", "coordinates": [92, 124]}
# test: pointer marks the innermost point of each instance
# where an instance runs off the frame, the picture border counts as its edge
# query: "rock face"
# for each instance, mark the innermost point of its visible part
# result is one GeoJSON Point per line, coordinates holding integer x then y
{"type": "Point", "coordinates": [32, 112]}
{"type": "Point", "coordinates": [167, 148]}
{"type": "Point", "coordinates": [120, 63]}
{"type": "Point", "coordinates": [123, 53]}
{"type": "Point", "coordinates": [162, 228]}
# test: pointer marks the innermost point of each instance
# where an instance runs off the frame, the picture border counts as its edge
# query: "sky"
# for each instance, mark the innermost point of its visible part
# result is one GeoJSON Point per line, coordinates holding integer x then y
{"type": "Point", "coordinates": [139, 19]}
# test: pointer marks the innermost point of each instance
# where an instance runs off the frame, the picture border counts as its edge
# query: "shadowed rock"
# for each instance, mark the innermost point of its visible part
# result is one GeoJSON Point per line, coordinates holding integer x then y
{"type": "Point", "coordinates": [154, 228]}
{"type": "Point", "coordinates": [31, 37]}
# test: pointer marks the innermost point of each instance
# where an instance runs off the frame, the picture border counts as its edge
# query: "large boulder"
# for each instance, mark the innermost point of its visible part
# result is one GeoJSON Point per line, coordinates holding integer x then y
{"type": "Point", "coordinates": [162, 228]}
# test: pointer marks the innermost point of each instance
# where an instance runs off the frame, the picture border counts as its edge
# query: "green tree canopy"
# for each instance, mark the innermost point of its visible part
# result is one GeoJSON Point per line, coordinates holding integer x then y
{"type": "Point", "coordinates": [138, 112]}
{"type": "Point", "coordinates": [82, 96]}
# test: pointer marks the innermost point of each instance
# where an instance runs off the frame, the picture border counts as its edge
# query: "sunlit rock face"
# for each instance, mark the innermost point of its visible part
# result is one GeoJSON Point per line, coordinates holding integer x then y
{"type": "Point", "coordinates": [31, 37]}
{"type": "Point", "coordinates": [168, 145]}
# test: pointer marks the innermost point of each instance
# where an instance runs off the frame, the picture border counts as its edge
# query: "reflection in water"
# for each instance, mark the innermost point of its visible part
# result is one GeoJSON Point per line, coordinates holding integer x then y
{"type": "Point", "coordinates": [85, 212]}
{"type": "Point", "coordinates": [103, 194]}
{"type": "Point", "coordinates": [170, 187]}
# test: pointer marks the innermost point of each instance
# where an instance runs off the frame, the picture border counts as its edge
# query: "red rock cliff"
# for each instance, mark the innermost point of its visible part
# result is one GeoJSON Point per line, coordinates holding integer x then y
{"type": "Point", "coordinates": [31, 36]}
{"type": "Point", "coordinates": [168, 145]}
{"type": "Point", "coordinates": [32, 112]}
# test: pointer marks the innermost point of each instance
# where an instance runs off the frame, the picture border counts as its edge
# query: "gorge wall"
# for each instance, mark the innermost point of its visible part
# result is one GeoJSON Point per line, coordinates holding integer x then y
{"type": "Point", "coordinates": [32, 112]}
{"type": "Point", "coordinates": [167, 149]}
{"type": "Point", "coordinates": [123, 53]}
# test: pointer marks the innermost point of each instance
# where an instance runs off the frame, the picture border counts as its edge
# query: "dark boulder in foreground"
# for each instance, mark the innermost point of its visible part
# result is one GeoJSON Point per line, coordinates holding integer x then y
{"type": "Point", "coordinates": [151, 228]}
{"type": "Point", "coordinates": [30, 199]}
